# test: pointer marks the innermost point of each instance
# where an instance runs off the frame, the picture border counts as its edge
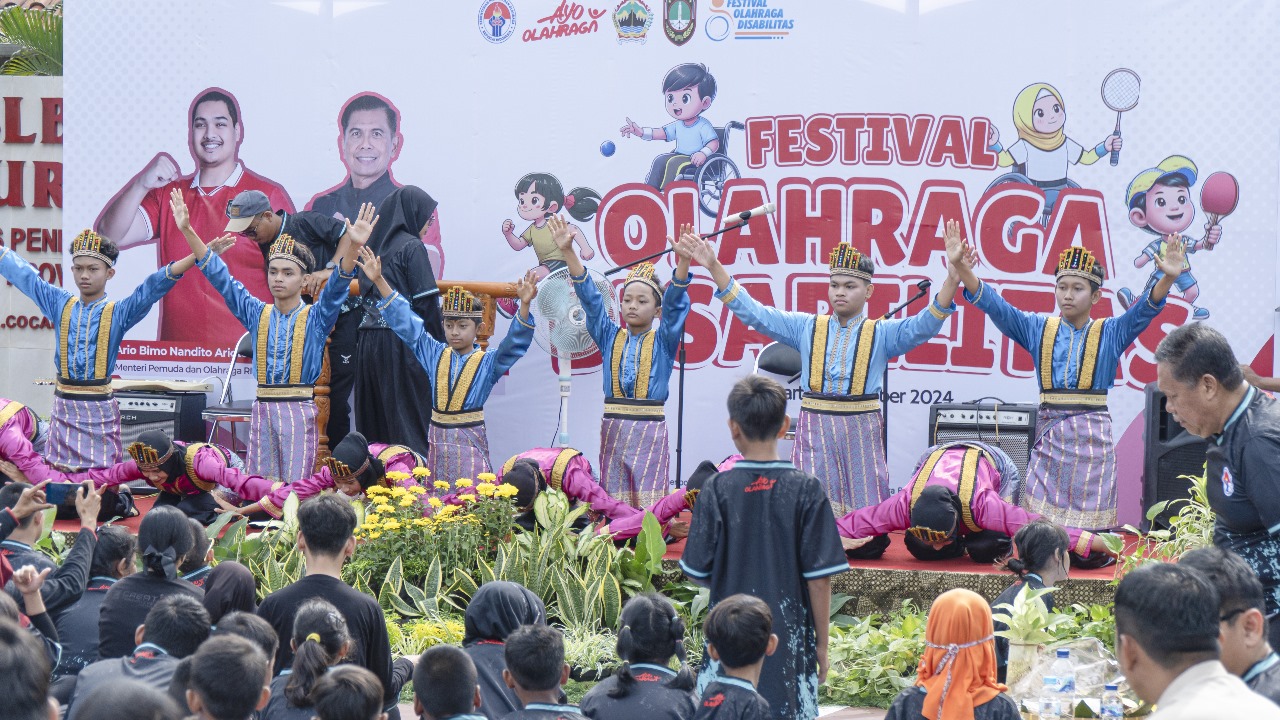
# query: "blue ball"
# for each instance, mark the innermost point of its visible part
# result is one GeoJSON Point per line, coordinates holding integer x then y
{"type": "Point", "coordinates": [607, 147]}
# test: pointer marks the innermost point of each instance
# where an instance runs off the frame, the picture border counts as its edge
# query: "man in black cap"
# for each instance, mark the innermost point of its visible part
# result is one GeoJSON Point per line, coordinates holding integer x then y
{"type": "Point", "coordinates": [250, 214]}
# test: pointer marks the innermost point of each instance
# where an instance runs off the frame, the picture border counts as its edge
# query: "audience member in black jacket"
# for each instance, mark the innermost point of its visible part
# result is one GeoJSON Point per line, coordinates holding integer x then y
{"type": "Point", "coordinates": [496, 610]}
{"type": "Point", "coordinates": [164, 539]}
{"type": "Point", "coordinates": [65, 584]}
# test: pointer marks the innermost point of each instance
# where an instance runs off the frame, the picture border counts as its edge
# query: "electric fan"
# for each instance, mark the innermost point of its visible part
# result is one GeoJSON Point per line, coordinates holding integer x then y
{"type": "Point", "coordinates": [561, 325]}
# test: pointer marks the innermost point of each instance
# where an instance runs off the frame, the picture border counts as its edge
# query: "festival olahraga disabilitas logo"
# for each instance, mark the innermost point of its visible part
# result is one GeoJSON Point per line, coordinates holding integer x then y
{"type": "Point", "coordinates": [748, 20]}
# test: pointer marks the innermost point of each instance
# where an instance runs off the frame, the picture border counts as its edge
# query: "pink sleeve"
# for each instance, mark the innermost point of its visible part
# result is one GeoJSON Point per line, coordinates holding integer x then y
{"type": "Point", "coordinates": [17, 449]}
{"type": "Point", "coordinates": [117, 474]}
{"type": "Point", "coordinates": [665, 510]}
{"type": "Point", "coordinates": [991, 512]}
{"type": "Point", "coordinates": [248, 487]}
{"type": "Point", "coordinates": [892, 514]}
{"type": "Point", "coordinates": [579, 485]}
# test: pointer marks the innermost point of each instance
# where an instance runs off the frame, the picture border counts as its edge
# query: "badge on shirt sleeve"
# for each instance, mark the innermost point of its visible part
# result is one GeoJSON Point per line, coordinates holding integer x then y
{"type": "Point", "coordinates": [1228, 485]}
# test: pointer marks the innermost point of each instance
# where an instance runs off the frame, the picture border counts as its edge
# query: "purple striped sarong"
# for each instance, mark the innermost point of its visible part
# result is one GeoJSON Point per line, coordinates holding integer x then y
{"type": "Point", "coordinates": [457, 452]}
{"type": "Point", "coordinates": [84, 434]}
{"type": "Point", "coordinates": [845, 453]}
{"type": "Point", "coordinates": [635, 459]}
{"type": "Point", "coordinates": [1071, 479]}
{"type": "Point", "coordinates": [283, 440]}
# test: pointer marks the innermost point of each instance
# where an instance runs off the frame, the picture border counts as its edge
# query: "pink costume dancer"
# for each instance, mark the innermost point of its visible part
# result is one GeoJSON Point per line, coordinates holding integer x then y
{"type": "Point", "coordinates": [955, 494]}
{"type": "Point", "coordinates": [568, 471]}
{"type": "Point", "coordinates": [354, 467]}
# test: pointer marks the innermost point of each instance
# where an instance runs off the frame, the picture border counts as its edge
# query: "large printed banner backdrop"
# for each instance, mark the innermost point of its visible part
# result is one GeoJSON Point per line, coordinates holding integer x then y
{"type": "Point", "coordinates": [870, 121]}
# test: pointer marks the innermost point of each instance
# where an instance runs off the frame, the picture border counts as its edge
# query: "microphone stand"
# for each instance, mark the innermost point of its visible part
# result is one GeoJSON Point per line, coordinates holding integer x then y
{"type": "Point", "coordinates": [884, 380]}
{"type": "Point", "coordinates": [655, 256]}
{"type": "Point", "coordinates": [680, 355]}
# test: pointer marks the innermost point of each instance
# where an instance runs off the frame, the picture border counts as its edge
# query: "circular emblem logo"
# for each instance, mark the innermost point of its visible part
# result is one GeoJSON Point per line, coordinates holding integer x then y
{"type": "Point", "coordinates": [496, 20]}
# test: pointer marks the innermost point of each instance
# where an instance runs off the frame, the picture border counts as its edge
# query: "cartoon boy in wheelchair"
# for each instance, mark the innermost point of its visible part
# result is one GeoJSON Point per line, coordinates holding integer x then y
{"type": "Point", "coordinates": [688, 91]}
{"type": "Point", "coordinates": [1043, 151]}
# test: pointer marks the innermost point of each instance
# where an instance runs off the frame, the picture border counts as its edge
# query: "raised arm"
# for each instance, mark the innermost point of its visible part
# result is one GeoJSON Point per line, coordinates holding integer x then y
{"type": "Point", "coordinates": [563, 233]}
{"type": "Point", "coordinates": [520, 334]}
{"type": "Point", "coordinates": [675, 299]}
{"type": "Point", "coordinates": [789, 328]}
{"type": "Point", "coordinates": [399, 315]}
{"type": "Point", "coordinates": [961, 258]}
{"type": "Point", "coordinates": [27, 279]}
{"type": "Point", "coordinates": [601, 328]}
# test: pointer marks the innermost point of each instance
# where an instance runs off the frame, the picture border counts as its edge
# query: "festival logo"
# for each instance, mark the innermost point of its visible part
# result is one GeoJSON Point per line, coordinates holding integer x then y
{"type": "Point", "coordinates": [568, 19]}
{"type": "Point", "coordinates": [496, 20]}
{"type": "Point", "coordinates": [746, 20]}
{"type": "Point", "coordinates": [1228, 485]}
{"type": "Point", "coordinates": [632, 19]}
{"type": "Point", "coordinates": [680, 20]}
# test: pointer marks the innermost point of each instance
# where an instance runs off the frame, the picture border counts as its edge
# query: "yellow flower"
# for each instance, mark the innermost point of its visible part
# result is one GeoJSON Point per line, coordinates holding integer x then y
{"type": "Point", "coordinates": [407, 501]}
{"type": "Point", "coordinates": [421, 522]}
{"type": "Point", "coordinates": [386, 510]}
{"type": "Point", "coordinates": [398, 491]}
{"type": "Point", "coordinates": [486, 489]}
{"type": "Point", "coordinates": [421, 472]}
{"type": "Point", "coordinates": [506, 490]}
{"type": "Point", "coordinates": [463, 483]}
{"type": "Point", "coordinates": [468, 498]}
{"type": "Point", "coordinates": [417, 490]}
{"type": "Point", "coordinates": [375, 490]}
{"type": "Point", "coordinates": [435, 502]}
{"type": "Point", "coordinates": [391, 524]}
{"type": "Point", "coordinates": [375, 535]}
{"type": "Point", "coordinates": [441, 485]}
{"type": "Point", "coordinates": [397, 476]}
{"type": "Point", "coordinates": [487, 477]}
{"type": "Point", "coordinates": [372, 519]}
{"type": "Point", "coordinates": [447, 511]}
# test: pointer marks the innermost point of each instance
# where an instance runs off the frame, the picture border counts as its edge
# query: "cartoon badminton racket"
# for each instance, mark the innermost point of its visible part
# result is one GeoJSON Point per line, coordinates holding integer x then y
{"type": "Point", "coordinates": [1218, 197]}
{"type": "Point", "coordinates": [1120, 93]}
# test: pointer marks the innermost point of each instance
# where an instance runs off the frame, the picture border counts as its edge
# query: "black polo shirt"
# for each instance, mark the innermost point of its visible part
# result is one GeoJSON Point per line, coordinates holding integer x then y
{"type": "Point", "coordinates": [1243, 486]}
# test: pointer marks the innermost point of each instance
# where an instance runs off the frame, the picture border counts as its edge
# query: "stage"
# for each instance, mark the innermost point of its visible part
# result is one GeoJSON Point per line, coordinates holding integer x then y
{"type": "Point", "coordinates": [881, 585]}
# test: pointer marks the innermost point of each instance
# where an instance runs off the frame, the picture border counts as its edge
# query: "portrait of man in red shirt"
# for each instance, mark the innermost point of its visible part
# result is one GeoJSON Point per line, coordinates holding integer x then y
{"type": "Point", "coordinates": [139, 214]}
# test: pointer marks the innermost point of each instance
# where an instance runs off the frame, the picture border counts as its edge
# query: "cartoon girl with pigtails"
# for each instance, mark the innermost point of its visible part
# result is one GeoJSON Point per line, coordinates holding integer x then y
{"type": "Point", "coordinates": [1043, 152]}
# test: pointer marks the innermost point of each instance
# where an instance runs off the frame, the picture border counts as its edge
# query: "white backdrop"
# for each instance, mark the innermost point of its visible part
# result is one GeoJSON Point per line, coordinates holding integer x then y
{"type": "Point", "coordinates": [477, 115]}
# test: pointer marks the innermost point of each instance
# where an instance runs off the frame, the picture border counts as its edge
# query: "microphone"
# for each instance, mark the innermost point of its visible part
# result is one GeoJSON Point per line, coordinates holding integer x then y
{"type": "Point", "coordinates": [923, 285]}
{"type": "Point", "coordinates": [766, 209]}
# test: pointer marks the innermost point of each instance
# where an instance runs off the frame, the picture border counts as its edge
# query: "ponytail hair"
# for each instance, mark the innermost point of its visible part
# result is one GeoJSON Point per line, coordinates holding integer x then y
{"type": "Point", "coordinates": [581, 203]}
{"type": "Point", "coordinates": [319, 635]}
{"type": "Point", "coordinates": [165, 539]}
{"type": "Point", "coordinates": [1037, 544]}
{"type": "Point", "coordinates": [652, 633]}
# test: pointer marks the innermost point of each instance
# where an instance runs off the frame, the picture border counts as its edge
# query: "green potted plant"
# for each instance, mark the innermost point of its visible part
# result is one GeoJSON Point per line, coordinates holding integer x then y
{"type": "Point", "coordinates": [1030, 625]}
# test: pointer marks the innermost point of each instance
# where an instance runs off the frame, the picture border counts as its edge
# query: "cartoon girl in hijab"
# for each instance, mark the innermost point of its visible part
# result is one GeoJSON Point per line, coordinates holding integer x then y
{"type": "Point", "coordinates": [1043, 151]}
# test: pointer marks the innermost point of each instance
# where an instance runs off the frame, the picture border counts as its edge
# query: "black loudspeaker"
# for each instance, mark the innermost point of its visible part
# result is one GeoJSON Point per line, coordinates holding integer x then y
{"type": "Point", "coordinates": [1169, 454]}
{"type": "Point", "coordinates": [176, 413]}
{"type": "Point", "coordinates": [1012, 428]}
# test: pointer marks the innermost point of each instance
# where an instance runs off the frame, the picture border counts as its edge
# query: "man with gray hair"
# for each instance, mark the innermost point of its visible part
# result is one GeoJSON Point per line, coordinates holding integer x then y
{"type": "Point", "coordinates": [1208, 396]}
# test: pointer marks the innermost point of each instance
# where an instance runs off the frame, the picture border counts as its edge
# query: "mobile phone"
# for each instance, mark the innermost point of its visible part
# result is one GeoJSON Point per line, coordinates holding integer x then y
{"type": "Point", "coordinates": [58, 493]}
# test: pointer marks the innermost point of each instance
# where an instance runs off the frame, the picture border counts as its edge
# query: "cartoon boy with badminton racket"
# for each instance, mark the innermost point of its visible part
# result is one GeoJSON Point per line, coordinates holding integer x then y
{"type": "Point", "coordinates": [1159, 202]}
{"type": "Point", "coordinates": [1043, 152]}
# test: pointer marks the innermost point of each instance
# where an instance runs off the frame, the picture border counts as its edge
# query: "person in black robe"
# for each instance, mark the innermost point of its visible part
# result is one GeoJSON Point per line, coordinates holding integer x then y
{"type": "Point", "coordinates": [392, 390]}
{"type": "Point", "coordinates": [1044, 559]}
{"type": "Point", "coordinates": [766, 529]}
{"type": "Point", "coordinates": [496, 610]}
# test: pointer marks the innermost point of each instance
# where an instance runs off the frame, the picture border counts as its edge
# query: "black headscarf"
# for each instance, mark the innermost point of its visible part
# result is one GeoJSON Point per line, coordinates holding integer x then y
{"type": "Point", "coordinates": [937, 508]}
{"type": "Point", "coordinates": [353, 451]}
{"type": "Point", "coordinates": [498, 608]}
{"type": "Point", "coordinates": [161, 443]}
{"type": "Point", "coordinates": [401, 219]}
{"type": "Point", "coordinates": [230, 587]}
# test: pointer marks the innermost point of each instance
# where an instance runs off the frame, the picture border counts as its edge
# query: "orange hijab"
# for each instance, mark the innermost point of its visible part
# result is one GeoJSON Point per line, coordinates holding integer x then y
{"type": "Point", "coordinates": [958, 668]}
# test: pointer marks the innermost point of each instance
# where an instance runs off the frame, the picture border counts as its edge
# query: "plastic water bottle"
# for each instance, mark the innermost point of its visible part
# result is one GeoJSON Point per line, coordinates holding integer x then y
{"type": "Point", "coordinates": [1112, 707]}
{"type": "Point", "coordinates": [1050, 709]}
{"type": "Point", "coordinates": [1065, 673]}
